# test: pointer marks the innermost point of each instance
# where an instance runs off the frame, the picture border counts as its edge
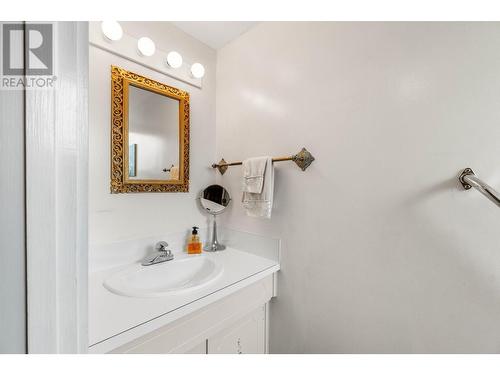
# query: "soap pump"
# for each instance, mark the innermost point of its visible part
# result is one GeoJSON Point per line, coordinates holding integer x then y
{"type": "Point", "coordinates": [194, 244]}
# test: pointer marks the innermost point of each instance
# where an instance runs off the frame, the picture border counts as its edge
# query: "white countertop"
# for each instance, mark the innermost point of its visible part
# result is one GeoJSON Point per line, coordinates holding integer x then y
{"type": "Point", "coordinates": [115, 320]}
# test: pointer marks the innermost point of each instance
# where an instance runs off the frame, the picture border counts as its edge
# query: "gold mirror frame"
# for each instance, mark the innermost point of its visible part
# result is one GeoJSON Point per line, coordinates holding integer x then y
{"type": "Point", "coordinates": [121, 79]}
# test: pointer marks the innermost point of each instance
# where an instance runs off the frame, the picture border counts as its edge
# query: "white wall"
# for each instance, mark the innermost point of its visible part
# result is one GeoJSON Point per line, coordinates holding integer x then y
{"type": "Point", "coordinates": [115, 217]}
{"type": "Point", "coordinates": [382, 251]}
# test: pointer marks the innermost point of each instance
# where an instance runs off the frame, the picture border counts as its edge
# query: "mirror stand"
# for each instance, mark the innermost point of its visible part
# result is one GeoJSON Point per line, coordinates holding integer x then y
{"type": "Point", "coordinates": [214, 244]}
{"type": "Point", "coordinates": [214, 199]}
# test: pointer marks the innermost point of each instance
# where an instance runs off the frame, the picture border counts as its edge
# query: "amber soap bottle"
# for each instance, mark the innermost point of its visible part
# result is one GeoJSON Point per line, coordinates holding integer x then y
{"type": "Point", "coordinates": [194, 244]}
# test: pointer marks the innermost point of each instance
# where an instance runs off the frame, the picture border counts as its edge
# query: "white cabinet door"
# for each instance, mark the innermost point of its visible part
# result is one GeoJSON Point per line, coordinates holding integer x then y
{"type": "Point", "coordinates": [247, 336]}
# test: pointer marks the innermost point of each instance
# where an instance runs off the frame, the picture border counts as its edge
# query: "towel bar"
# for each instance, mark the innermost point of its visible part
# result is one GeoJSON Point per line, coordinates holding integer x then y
{"type": "Point", "coordinates": [469, 180]}
{"type": "Point", "coordinates": [303, 159]}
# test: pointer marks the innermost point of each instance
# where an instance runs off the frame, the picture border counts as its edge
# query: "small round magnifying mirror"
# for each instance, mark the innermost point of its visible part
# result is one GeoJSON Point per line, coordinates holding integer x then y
{"type": "Point", "coordinates": [214, 199]}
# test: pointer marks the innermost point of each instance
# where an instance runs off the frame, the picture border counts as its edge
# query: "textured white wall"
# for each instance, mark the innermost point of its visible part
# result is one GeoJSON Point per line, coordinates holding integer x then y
{"type": "Point", "coordinates": [382, 251]}
{"type": "Point", "coordinates": [115, 217]}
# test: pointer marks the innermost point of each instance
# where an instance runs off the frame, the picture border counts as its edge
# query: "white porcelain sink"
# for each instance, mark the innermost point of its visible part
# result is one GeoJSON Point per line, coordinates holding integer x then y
{"type": "Point", "coordinates": [175, 276]}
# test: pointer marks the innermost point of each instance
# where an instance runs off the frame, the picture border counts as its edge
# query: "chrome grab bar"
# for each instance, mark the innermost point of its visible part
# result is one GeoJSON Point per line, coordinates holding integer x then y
{"type": "Point", "coordinates": [468, 179]}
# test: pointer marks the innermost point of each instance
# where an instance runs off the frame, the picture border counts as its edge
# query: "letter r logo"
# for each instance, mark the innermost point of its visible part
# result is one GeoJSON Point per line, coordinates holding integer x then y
{"type": "Point", "coordinates": [36, 55]}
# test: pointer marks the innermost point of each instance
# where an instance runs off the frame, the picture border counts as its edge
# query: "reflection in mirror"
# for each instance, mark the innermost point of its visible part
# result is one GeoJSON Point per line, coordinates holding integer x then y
{"type": "Point", "coordinates": [153, 124]}
{"type": "Point", "coordinates": [132, 156]}
{"type": "Point", "coordinates": [214, 199]}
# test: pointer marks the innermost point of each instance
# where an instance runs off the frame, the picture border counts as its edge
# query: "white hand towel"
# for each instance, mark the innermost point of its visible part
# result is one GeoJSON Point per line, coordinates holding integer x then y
{"type": "Point", "coordinates": [260, 204]}
{"type": "Point", "coordinates": [253, 174]}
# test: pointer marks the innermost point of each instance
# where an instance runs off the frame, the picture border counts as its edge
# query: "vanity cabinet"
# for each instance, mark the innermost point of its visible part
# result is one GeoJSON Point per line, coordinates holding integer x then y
{"type": "Point", "coordinates": [236, 324]}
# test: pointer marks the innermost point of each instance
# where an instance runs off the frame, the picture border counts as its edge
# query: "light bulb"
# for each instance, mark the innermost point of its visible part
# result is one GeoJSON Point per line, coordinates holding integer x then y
{"type": "Point", "coordinates": [197, 70]}
{"type": "Point", "coordinates": [112, 30]}
{"type": "Point", "coordinates": [146, 46]}
{"type": "Point", "coordinates": [174, 59]}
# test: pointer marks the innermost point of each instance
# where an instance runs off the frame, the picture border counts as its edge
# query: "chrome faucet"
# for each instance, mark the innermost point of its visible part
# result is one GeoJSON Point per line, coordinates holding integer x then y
{"type": "Point", "coordinates": [161, 255]}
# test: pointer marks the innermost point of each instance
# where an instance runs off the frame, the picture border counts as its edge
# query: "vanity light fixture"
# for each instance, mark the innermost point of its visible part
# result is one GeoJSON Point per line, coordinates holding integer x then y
{"type": "Point", "coordinates": [174, 59]}
{"type": "Point", "coordinates": [197, 70]}
{"type": "Point", "coordinates": [112, 30]}
{"type": "Point", "coordinates": [146, 46]}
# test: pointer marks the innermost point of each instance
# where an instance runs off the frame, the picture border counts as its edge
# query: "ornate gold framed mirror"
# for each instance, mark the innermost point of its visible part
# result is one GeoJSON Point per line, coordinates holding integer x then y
{"type": "Point", "coordinates": [149, 135]}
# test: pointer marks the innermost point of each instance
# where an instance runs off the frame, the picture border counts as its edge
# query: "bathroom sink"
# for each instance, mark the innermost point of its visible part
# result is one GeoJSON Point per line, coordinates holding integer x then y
{"type": "Point", "coordinates": [172, 277]}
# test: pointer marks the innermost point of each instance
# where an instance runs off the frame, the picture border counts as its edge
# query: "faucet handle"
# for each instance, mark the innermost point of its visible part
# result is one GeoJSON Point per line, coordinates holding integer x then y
{"type": "Point", "coordinates": [161, 246]}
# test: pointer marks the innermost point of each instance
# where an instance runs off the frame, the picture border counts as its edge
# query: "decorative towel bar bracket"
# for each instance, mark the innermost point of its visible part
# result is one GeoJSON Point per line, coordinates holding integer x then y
{"type": "Point", "coordinates": [303, 159]}
{"type": "Point", "coordinates": [469, 180]}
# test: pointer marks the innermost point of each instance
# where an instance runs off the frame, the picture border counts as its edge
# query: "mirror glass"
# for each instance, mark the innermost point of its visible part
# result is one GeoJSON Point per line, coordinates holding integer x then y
{"type": "Point", "coordinates": [153, 125]}
{"type": "Point", "coordinates": [215, 199]}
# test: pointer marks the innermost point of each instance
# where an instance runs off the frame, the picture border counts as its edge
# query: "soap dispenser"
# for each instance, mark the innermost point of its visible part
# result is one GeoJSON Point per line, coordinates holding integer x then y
{"type": "Point", "coordinates": [194, 244]}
